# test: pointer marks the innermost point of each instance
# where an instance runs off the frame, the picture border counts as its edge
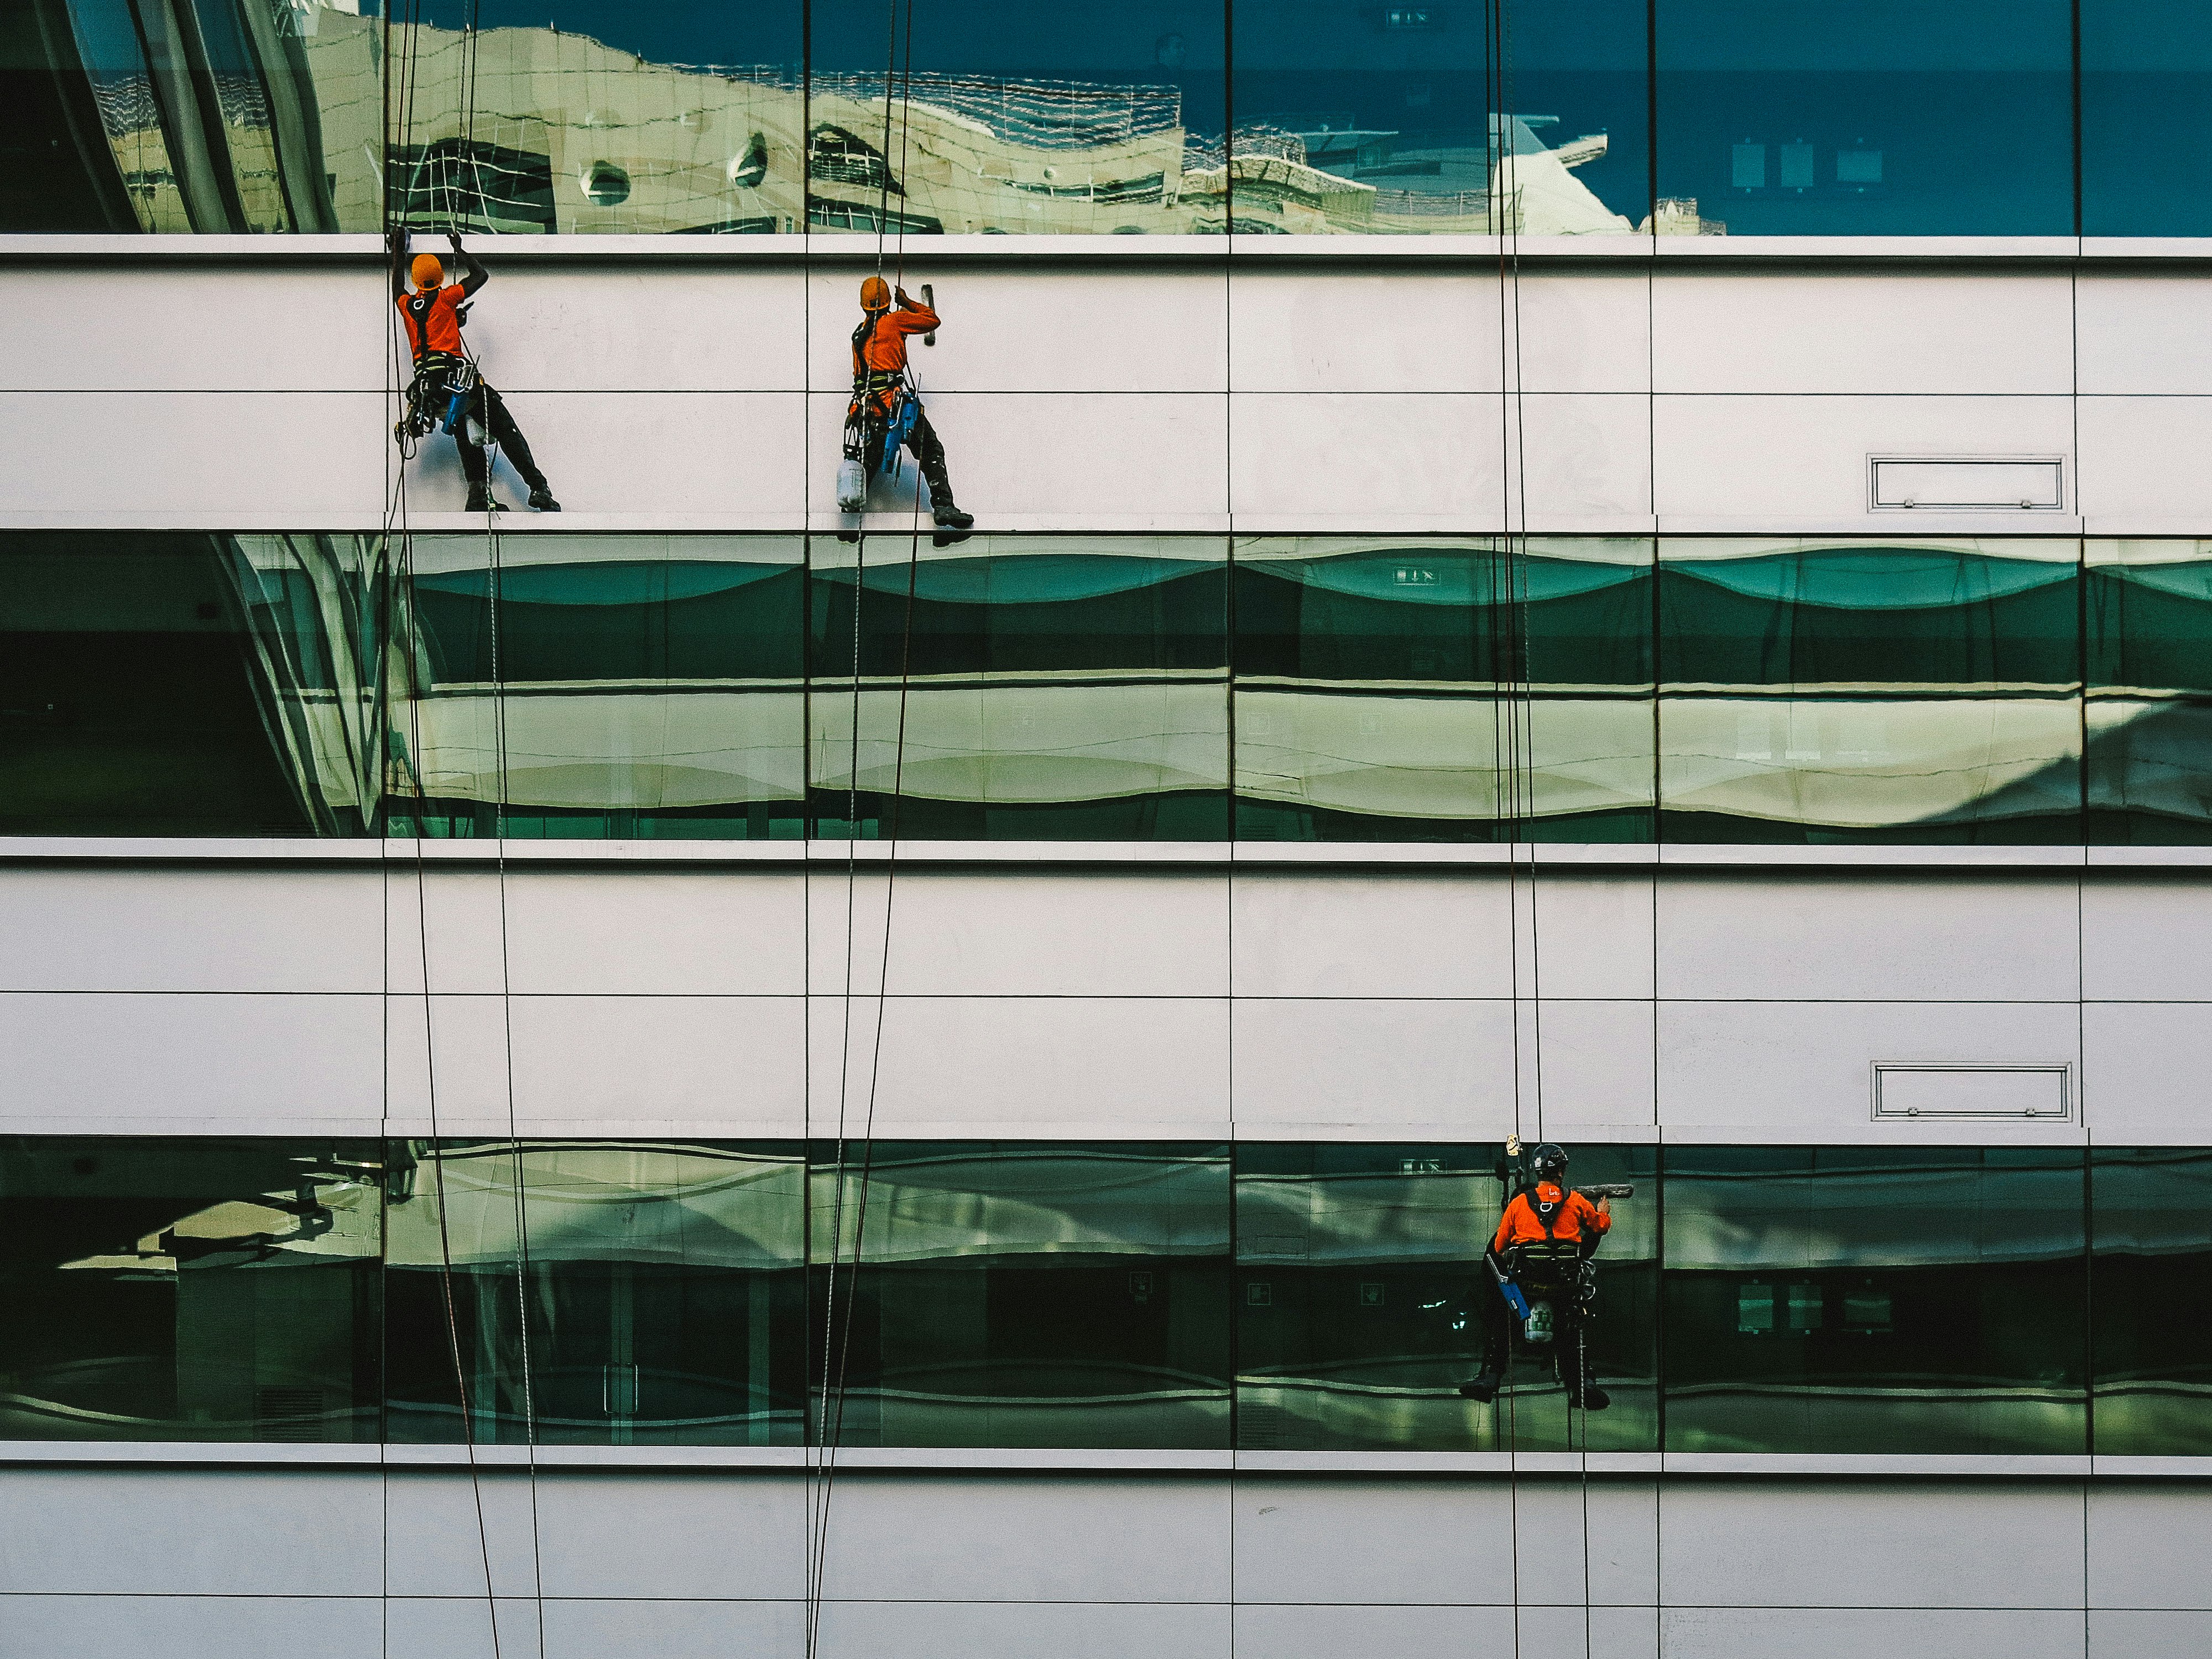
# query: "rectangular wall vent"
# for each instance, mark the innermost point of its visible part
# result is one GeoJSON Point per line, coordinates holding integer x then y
{"type": "Point", "coordinates": [1986, 483]}
{"type": "Point", "coordinates": [1906, 1090]}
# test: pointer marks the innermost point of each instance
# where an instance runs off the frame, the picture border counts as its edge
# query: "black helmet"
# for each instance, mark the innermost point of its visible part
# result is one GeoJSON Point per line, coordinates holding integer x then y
{"type": "Point", "coordinates": [1549, 1161]}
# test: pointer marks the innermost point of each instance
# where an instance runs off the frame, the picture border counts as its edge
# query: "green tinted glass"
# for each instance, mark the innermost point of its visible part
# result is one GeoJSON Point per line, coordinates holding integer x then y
{"type": "Point", "coordinates": [2148, 610]}
{"type": "Point", "coordinates": [2151, 1292]}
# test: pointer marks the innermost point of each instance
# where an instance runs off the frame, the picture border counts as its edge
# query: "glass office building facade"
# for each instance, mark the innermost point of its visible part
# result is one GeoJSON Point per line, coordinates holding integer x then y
{"type": "Point", "coordinates": [1737, 117]}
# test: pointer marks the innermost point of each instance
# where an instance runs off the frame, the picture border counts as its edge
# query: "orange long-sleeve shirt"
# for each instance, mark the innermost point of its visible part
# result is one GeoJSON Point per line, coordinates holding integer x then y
{"type": "Point", "coordinates": [882, 348]}
{"type": "Point", "coordinates": [1577, 1217]}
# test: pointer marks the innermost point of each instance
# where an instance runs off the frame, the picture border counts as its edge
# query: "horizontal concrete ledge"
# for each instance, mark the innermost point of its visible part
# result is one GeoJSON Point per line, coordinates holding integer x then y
{"type": "Point", "coordinates": [1560, 857]}
{"type": "Point", "coordinates": [1249, 251]}
{"type": "Point", "coordinates": [854, 1460]}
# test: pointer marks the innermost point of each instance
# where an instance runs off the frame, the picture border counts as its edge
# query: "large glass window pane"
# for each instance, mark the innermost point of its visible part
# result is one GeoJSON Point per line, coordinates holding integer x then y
{"type": "Point", "coordinates": [1885, 118]}
{"type": "Point", "coordinates": [2146, 81]}
{"type": "Point", "coordinates": [203, 1289]}
{"type": "Point", "coordinates": [2151, 1290]}
{"type": "Point", "coordinates": [1874, 1299]}
{"type": "Point", "coordinates": [1391, 119]}
{"type": "Point", "coordinates": [2149, 612]}
{"type": "Point", "coordinates": [569, 116]}
{"type": "Point", "coordinates": [661, 1286]}
{"type": "Point", "coordinates": [186, 685]}
{"type": "Point", "coordinates": [646, 686]}
{"type": "Point", "coordinates": [1869, 691]}
{"type": "Point", "coordinates": [1015, 118]}
{"type": "Point", "coordinates": [1022, 688]}
{"type": "Point", "coordinates": [1360, 1288]}
{"type": "Point", "coordinates": [1406, 689]}
{"type": "Point", "coordinates": [1022, 1294]}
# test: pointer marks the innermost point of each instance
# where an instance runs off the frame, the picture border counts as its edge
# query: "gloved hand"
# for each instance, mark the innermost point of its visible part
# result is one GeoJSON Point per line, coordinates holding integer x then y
{"type": "Point", "coordinates": [905, 304]}
{"type": "Point", "coordinates": [454, 237]}
{"type": "Point", "coordinates": [395, 241]}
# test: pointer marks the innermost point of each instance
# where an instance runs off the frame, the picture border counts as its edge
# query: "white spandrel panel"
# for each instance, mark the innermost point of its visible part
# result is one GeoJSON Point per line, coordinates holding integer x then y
{"type": "Point", "coordinates": [2143, 939]}
{"type": "Point", "coordinates": [1040, 329]}
{"type": "Point", "coordinates": [2147, 1073]}
{"type": "Point", "coordinates": [214, 460]}
{"type": "Point", "coordinates": [939, 1629]}
{"type": "Point", "coordinates": [1337, 1069]}
{"type": "Point", "coordinates": [733, 459]}
{"type": "Point", "coordinates": [162, 328]}
{"type": "Point", "coordinates": [1794, 1072]}
{"type": "Point", "coordinates": [1426, 331]}
{"type": "Point", "coordinates": [1022, 460]}
{"type": "Point", "coordinates": [190, 1063]}
{"type": "Point", "coordinates": [1381, 463]}
{"type": "Point", "coordinates": [209, 929]}
{"type": "Point", "coordinates": [1737, 331]}
{"type": "Point", "coordinates": [1309, 935]}
{"type": "Point", "coordinates": [2142, 465]}
{"type": "Point", "coordinates": [1769, 462]}
{"type": "Point", "coordinates": [1813, 938]}
{"type": "Point", "coordinates": [638, 328]}
{"type": "Point", "coordinates": [2144, 331]}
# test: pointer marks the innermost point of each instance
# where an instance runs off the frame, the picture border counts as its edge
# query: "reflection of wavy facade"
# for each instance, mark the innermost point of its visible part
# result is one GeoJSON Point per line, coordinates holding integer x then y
{"type": "Point", "coordinates": [262, 115]}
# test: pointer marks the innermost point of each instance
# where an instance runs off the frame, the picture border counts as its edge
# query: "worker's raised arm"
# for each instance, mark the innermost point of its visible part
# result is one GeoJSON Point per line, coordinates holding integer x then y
{"type": "Point", "coordinates": [397, 244]}
{"type": "Point", "coordinates": [913, 317]}
{"type": "Point", "coordinates": [478, 276]}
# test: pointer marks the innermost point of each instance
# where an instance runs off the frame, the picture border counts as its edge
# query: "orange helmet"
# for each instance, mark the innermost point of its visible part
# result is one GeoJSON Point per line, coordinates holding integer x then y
{"type": "Point", "coordinates": [875, 294]}
{"type": "Point", "coordinates": [427, 272]}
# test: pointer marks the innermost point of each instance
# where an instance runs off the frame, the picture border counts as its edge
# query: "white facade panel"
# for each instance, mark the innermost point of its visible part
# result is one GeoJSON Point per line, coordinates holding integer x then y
{"type": "Point", "coordinates": [1439, 463]}
{"type": "Point", "coordinates": [1155, 330]}
{"type": "Point", "coordinates": [1738, 332]}
{"type": "Point", "coordinates": [937, 1629]}
{"type": "Point", "coordinates": [193, 1626]}
{"type": "Point", "coordinates": [624, 329]}
{"type": "Point", "coordinates": [2140, 465]}
{"type": "Point", "coordinates": [1383, 1068]}
{"type": "Point", "coordinates": [186, 1063]}
{"type": "Point", "coordinates": [1028, 460]}
{"type": "Point", "coordinates": [1866, 1633]}
{"type": "Point", "coordinates": [1428, 331]}
{"type": "Point", "coordinates": [1785, 1071]}
{"type": "Point", "coordinates": [1761, 462]}
{"type": "Point", "coordinates": [207, 929]}
{"type": "Point", "coordinates": [2144, 940]}
{"type": "Point", "coordinates": [2147, 1073]}
{"type": "Point", "coordinates": [2146, 1550]}
{"type": "Point", "coordinates": [151, 329]}
{"type": "Point", "coordinates": [2143, 331]}
{"type": "Point", "coordinates": [656, 932]}
{"type": "Point", "coordinates": [1375, 935]}
{"type": "Point", "coordinates": [1865, 939]}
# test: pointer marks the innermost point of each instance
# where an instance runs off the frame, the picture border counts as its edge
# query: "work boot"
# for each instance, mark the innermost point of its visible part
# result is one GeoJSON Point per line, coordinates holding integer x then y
{"type": "Point", "coordinates": [948, 537]}
{"type": "Point", "coordinates": [1482, 1388]}
{"type": "Point", "coordinates": [541, 500]}
{"type": "Point", "coordinates": [481, 501]}
{"type": "Point", "coordinates": [949, 516]}
{"type": "Point", "coordinates": [1592, 1398]}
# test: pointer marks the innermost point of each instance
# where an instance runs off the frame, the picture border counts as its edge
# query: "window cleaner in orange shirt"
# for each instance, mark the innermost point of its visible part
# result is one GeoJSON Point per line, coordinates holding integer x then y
{"type": "Point", "coordinates": [1539, 1258]}
{"type": "Point", "coordinates": [446, 387]}
{"type": "Point", "coordinates": [886, 412]}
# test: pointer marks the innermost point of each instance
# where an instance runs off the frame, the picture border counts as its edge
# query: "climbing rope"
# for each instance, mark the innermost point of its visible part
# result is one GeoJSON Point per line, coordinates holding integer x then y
{"type": "Point", "coordinates": [837, 1322]}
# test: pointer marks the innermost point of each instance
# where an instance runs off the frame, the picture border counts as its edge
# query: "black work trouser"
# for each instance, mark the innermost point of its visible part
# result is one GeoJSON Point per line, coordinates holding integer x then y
{"type": "Point", "coordinates": [1567, 1334]}
{"type": "Point", "coordinates": [921, 442]}
{"type": "Point", "coordinates": [489, 411]}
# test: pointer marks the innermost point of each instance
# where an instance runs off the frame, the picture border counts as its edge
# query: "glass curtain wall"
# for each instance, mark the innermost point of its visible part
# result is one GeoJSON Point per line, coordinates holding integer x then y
{"type": "Point", "coordinates": [599, 686]}
{"type": "Point", "coordinates": [1022, 1294]}
{"type": "Point", "coordinates": [2148, 606]}
{"type": "Point", "coordinates": [1022, 687]}
{"type": "Point", "coordinates": [659, 1287]}
{"type": "Point", "coordinates": [1507, 118]}
{"type": "Point", "coordinates": [2146, 154]}
{"type": "Point", "coordinates": [1854, 1299]}
{"type": "Point", "coordinates": [1280, 1296]}
{"type": "Point", "coordinates": [1360, 1288]}
{"type": "Point", "coordinates": [769, 116]}
{"type": "Point", "coordinates": [1868, 691]}
{"type": "Point", "coordinates": [205, 1289]}
{"type": "Point", "coordinates": [1885, 117]}
{"type": "Point", "coordinates": [1443, 691]}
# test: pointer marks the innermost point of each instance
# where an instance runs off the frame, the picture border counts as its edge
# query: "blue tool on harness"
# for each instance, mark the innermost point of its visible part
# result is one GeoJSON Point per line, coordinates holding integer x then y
{"type": "Point", "coordinates": [462, 386]}
{"type": "Point", "coordinates": [903, 412]}
{"type": "Point", "coordinates": [1514, 1298]}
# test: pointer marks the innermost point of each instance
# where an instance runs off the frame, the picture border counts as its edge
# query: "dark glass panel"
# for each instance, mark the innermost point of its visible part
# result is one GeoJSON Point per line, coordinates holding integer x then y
{"type": "Point", "coordinates": [2149, 607]}
{"type": "Point", "coordinates": [1874, 1299]}
{"type": "Point", "coordinates": [2146, 82]}
{"type": "Point", "coordinates": [184, 685]}
{"type": "Point", "coordinates": [1360, 1293]}
{"type": "Point", "coordinates": [1885, 118]}
{"type": "Point", "coordinates": [62, 173]}
{"type": "Point", "coordinates": [1419, 690]}
{"type": "Point", "coordinates": [646, 686]}
{"type": "Point", "coordinates": [189, 1289]}
{"type": "Point", "coordinates": [1864, 692]}
{"type": "Point", "coordinates": [1044, 688]}
{"type": "Point", "coordinates": [2151, 1293]}
{"type": "Point", "coordinates": [662, 1286]}
{"type": "Point", "coordinates": [1015, 118]}
{"type": "Point", "coordinates": [1388, 119]}
{"type": "Point", "coordinates": [1023, 1294]}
